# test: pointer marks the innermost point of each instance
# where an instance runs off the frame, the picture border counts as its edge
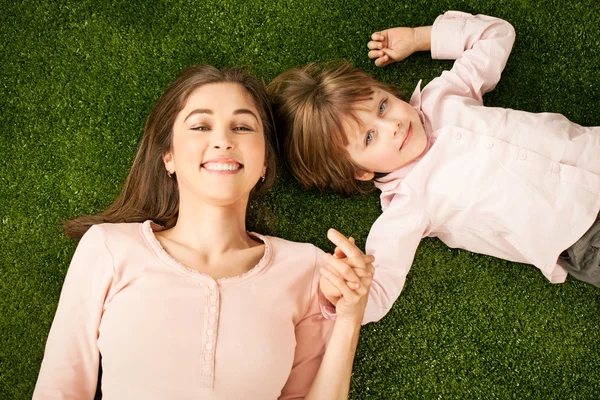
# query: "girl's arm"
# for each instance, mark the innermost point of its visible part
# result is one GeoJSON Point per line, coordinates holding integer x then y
{"type": "Point", "coordinates": [480, 45]}
{"type": "Point", "coordinates": [71, 359]}
{"type": "Point", "coordinates": [393, 241]}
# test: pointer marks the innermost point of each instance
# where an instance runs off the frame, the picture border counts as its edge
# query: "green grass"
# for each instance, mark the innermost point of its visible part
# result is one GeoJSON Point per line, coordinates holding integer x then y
{"type": "Point", "coordinates": [77, 79]}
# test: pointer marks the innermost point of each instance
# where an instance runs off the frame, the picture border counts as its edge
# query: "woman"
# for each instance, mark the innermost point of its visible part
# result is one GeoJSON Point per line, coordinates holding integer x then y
{"type": "Point", "coordinates": [173, 293]}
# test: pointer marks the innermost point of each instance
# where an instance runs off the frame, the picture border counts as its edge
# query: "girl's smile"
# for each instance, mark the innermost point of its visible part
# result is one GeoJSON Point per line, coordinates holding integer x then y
{"type": "Point", "coordinates": [389, 135]}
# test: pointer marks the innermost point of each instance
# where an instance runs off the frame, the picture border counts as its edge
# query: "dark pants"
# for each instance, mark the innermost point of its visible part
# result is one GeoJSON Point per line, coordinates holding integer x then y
{"type": "Point", "coordinates": [582, 260]}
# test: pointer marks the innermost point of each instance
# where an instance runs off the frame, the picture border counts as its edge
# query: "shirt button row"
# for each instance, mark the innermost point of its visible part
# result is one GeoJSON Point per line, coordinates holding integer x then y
{"type": "Point", "coordinates": [206, 368]}
{"type": "Point", "coordinates": [208, 357]}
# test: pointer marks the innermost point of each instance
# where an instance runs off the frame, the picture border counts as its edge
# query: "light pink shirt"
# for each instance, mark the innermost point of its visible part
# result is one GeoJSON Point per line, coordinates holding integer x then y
{"type": "Point", "coordinates": [168, 332]}
{"type": "Point", "coordinates": [510, 184]}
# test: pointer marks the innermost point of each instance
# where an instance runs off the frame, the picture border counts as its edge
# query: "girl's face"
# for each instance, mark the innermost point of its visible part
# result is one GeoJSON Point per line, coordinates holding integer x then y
{"type": "Point", "coordinates": [389, 136]}
{"type": "Point", "coordinates": [218, 146]}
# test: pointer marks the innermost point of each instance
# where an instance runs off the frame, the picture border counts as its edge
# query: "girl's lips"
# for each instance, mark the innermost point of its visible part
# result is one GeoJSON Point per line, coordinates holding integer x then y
{"type": "Point", "coordinates": [407, 137]}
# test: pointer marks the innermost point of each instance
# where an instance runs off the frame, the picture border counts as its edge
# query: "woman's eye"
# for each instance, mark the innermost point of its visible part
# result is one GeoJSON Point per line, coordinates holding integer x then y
{"type": "Point", "coordinates": [242, 129]}
{"type": "Point", "coordinates": [369, 138]}
{"type": "Point", "coordinates": [382, 106]}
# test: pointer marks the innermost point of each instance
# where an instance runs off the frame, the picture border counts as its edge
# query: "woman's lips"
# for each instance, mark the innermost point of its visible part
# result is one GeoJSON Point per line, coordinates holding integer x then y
{"type": "Point", "coordinates": [407, 137]}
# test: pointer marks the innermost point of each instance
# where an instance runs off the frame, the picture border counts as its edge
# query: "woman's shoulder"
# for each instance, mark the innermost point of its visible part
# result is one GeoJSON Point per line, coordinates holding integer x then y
{"type": "Point", "coordinates": [115, 234]}
{"type": "Point", "coordinates": [291, 253]}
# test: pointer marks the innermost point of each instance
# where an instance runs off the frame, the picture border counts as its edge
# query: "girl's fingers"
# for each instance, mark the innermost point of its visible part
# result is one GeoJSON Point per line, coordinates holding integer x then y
{"type": "Point", "coordinates": [374, 45]}
{"type": "Point", "coordinates": [382, 61]}
{"type": "Point", "coordinates": [338, 253]}
{"type": "Point", "coordinates": [353, 253]}
{"type": "Point", "coordinates": [371, 268]}
{"type": "Point", "coordinates": [349, 294]}
{"type": "Point", "coordinates": [363, 273]}
{"type": "Point", "coordinates": [375, 54]}
{"type": "Point", "coordinates": [377, 36]}
{"type": "Point", "coordinates": [342, 269]}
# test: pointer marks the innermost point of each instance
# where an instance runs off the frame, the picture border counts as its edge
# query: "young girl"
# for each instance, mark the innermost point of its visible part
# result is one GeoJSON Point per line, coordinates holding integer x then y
{"type": "Point", "coordinates": [196, 307]}
{"type": "Point", "coordinates": [520, 186]}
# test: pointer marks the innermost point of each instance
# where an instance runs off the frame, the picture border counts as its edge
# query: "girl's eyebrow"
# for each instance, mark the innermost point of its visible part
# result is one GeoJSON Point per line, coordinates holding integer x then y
{"type": "Point", "coordinates": [210, 112]}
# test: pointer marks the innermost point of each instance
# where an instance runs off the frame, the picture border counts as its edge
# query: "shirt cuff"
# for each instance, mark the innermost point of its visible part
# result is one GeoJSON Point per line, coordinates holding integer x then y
{"type": "Point", "coordinates": [327, 308]}
{"type": "Point", "coordinates": [446, 35]}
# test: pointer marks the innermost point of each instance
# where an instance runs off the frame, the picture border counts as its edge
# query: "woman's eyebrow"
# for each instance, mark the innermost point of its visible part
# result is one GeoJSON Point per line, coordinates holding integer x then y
{"type": "Point", "coordinates": [245, 111]}
{"type": "Point", "coordinates": [210, 112]}
{"type": "Point", "coordinates": [199, 111]}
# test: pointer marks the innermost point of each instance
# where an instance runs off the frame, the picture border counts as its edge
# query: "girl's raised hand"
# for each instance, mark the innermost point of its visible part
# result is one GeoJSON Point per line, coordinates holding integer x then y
{"type": "Point", "coordinates": [392, 45]}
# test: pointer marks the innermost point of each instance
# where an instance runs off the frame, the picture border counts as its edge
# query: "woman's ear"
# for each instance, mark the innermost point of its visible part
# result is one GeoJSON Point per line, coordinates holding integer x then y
{"type": "Point", "coordinates": [364, 175]}
{"type": "Point", "coordinates": [169, 163]}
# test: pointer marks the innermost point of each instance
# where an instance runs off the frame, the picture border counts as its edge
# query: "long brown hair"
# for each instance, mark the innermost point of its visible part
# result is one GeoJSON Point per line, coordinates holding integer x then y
{"type": "Point", "coordinates": [148, 192]}
{"type": "Point", "coordinates": [311, 105]}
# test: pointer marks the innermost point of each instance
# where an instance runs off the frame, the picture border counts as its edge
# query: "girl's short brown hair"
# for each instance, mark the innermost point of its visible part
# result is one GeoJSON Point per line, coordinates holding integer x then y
{"type": "Point", "coordinates": [311, 105]}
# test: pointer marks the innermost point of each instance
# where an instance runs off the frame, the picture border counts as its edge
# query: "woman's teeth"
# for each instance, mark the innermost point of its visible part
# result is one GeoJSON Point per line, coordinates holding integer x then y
{"type": "Point", "coordinates": [222, 167]}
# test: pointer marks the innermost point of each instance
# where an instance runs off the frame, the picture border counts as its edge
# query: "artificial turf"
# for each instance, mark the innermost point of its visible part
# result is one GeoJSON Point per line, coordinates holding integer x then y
{"type": "Point", "coordinates": [78, 78]}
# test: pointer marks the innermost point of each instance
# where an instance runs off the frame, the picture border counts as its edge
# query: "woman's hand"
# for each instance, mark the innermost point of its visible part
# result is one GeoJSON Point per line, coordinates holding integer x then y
{"type": "Point", "coordinates": [396, 44]}
{"type": "Point", "coordinates": [346, 278]}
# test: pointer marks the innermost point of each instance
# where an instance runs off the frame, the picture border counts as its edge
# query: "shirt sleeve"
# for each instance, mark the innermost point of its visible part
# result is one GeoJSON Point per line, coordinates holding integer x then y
{"type": "Point", "coordinates": [393, 241]}
{"type": "Point", "coordinates": [71, 360]}
{"type": "Point", "coordinates": [480, 45]}
{"type": "Point", "coordinates": [312, 334]}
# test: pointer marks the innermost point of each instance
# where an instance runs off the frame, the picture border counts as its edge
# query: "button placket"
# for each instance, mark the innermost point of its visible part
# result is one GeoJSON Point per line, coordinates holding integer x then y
{"type": "Point", "coordinates": [209, 335]}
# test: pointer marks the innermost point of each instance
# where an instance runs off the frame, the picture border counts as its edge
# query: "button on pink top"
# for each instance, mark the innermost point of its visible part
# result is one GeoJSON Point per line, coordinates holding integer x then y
{"type": "Point", "coordinates": [510, 184]}
{"type": "Point", "coordinates": [168, 332]}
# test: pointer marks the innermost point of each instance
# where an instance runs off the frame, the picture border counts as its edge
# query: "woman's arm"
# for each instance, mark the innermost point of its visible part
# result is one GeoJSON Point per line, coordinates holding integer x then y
{"type": "Point", "coordinates": [325, 349]}
{"type": "Point", "coordinates": [333, 378]}
{"type": "Point", "coordinates": [71, 359]}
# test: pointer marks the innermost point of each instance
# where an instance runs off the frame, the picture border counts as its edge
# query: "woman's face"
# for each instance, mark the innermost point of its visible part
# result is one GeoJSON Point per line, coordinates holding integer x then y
{"type": "Point", "coordinates": [218, 146]}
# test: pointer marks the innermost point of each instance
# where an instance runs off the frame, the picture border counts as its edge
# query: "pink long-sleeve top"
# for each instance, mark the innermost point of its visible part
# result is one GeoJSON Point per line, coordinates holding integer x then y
{"type": "Point", "coordinates": [168, 332]}
{"type": "Point", "coordinates": [515, 185]}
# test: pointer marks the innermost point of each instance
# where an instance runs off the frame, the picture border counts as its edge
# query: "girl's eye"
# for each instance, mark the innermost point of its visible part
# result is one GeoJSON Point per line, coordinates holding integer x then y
{"type": "Point", "coordinates": [382, 106]}
{"type": "Point", "coordinates": [242, 129]}
{"type": "Point", "coordinates": [368, 138]}
{"type": "Point", "coordinates": [200, 128]}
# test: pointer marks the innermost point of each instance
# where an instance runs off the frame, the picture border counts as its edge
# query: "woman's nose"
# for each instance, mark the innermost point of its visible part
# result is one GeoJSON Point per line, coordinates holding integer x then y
{"type": "Point", "coordinates": [222, 140]}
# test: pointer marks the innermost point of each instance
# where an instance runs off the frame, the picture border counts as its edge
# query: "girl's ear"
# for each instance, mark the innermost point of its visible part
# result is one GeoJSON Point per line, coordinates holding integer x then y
{"type": "Point", "coordinates": [169, 163]}
{"type": "Point", "coordinates": [364, 175]}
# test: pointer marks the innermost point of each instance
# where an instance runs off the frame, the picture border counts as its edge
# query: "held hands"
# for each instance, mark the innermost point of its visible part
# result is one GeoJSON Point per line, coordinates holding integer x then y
{"type": "Point", "coordinates": [346, 277]}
